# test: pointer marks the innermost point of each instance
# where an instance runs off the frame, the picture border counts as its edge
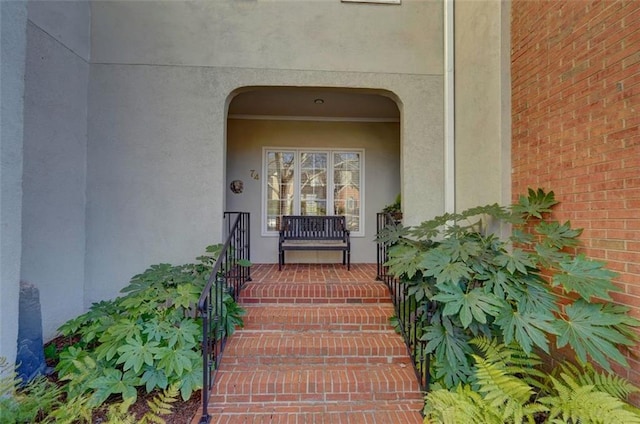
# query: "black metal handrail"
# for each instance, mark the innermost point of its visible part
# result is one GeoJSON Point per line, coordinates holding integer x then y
{"type": "Point", "coordinates": [408, 314]}
{"type": "Point", "coordinates": [228, 276]}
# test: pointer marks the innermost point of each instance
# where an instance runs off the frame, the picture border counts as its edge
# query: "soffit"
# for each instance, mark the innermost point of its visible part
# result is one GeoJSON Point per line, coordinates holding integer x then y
{"type": "Point", "coordinates": [300, 103]}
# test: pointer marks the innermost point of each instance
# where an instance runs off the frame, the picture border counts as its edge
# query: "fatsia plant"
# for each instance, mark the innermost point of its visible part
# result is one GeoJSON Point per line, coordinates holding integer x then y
{"type": "Point", "coordinates": [148, 338]}
{"type": "Point", "coordinates": [530, 288]}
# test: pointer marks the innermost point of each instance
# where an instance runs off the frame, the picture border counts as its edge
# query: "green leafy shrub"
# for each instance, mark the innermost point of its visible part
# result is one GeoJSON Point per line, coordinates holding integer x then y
{"type": "Point", "coordinates": [506, 386]}
{"type": "Point", "coordinates": [531, 288]}
{"type": "Point", "coordinates": [147, 338]}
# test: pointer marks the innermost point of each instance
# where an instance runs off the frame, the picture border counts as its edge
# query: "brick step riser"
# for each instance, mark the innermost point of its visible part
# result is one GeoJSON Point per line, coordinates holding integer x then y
{"type": "Point", "coordinates": [330, 318]}
{"type": "Point", "coordinates": [404, 405]}
{"type": "Point", "coordinates": [333, 327]}
{"type": "Point", "coordinates": [320, 414]}
{"type": "Point", "coordinates": [317, 293]}
{"type": "Point", "coordinates": [312, 398]}
{"type": "Point", "coordinates": [315, 360]}
{"type": "Point", "coordinates": [301, 300]}
{"type": "Point", "coordinates": [281, 350]}
{"type": "Point", "coordinates": [382, 382]}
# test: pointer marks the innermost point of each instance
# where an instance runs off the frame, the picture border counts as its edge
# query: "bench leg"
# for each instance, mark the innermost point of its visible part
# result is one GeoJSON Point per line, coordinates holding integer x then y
{"type": "Point", "coordinates": [280, 260]}
{"type": "Point", "coordinates": [348, 252]}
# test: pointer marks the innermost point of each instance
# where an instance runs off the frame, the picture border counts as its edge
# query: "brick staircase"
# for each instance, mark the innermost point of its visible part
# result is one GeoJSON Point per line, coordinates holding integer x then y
{"type": "Point", "coordinates": [316, 348]}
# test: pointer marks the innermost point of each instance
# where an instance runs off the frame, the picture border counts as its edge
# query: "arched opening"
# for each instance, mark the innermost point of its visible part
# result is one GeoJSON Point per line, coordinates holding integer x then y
{"type": "Point", "coordinates": [312, 151]}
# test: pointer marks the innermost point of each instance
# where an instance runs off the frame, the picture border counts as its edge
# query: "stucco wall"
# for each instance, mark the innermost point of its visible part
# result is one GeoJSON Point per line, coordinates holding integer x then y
{"type": "Point", "coordinates": [156, 181]}
{"type": "Point", "coordinates": [162, 74]}
{"type": "Point", "coordinates": [482, 87]}
{"type": "Point", "coordinates": [55, 138]}
{"type": "Point", "coordinates": [381, 144]}
{"type": "Point", "coordinates": [305, 35]}
{"type": "Point", "coordinates": [13, 19]}
{"type": "Point", "coordinates": [68, 22]}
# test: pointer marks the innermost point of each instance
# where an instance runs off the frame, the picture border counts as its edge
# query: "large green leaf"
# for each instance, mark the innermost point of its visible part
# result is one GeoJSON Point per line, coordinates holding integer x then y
{"type": "Point", "coordinates": [154, 377]}
{"type": "Point", "coordinates": [136, 353]}
{"type": "Point", "coordinates": [404, 260]}
{"type": "Point", "coordinates": [590, 329]}
{"type": "Point", "coordinates": [392, 234]}
{"type": "Point", "coordinates": [476, 304]}
{"type": "Point", "coordinates": [461, 249]}
{"type": "Point", "coordinates": [533, 295]}
{"type": "Point", "coordinates": [157, 329]}
{"type": "Point", "coordinates": [557, 235]}
{"type": "Point", "coordinates": [535, 204]}
{"type": "Point", "coordinates": [190, 382]}
{"type": "Point", "coordinates": [439, 264]}
{"type": "Point", "coordinates": [184, 334]}
{"type": "Point", "coordinates": [186, 295]}
{"type": "Point", "coordinates": [113, 381]}
{"type": "Point", "coordinates": [528, 328]}
{"type": "Point", "coordinates": [448, 341]}
{"type": "Point", "coordinates": [586, 277]}
{"type": "Point", "coordinates": [517, 260]}
{"type": "Point", "coordinates": [176, 361]}
{"type": "Point", "coordinates": [550, 256]}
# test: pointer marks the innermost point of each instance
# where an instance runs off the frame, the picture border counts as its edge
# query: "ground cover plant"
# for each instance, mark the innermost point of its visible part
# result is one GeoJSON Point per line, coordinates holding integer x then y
{"type": "Point", "coordinates": [531, 288]}
{"type": "Point", "coordinates": [507, 386]}
{"type": "Point", "coordinates": [147, 340]}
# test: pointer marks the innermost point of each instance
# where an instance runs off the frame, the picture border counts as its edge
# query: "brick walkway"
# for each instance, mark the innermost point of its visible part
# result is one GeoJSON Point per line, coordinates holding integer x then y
{"type": "Point", "coordinates": [317, 348]}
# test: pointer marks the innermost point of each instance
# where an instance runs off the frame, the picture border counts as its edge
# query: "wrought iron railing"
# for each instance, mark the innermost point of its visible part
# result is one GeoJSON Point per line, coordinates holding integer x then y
{"type": "Point", "coordinates": [228, 276]}
{"type": "Point", "coordinates": [409, 316]}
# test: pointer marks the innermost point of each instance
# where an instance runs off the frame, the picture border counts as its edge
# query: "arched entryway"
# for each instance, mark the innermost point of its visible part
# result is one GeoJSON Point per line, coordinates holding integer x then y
{"type": "Point", "coordinates": [315, 151]}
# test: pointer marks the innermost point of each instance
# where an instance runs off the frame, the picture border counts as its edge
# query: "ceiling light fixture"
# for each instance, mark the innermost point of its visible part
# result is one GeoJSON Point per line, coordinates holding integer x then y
{"type": "Point", "coordinates": [318, 101]}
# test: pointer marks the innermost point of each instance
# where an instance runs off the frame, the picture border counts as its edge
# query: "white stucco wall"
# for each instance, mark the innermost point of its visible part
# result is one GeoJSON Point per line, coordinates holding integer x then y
{"type": "Point", "coordinates": [482, 85]}
{"type": "Point", "coordinates": [55, 139]}
{"type": "Point", "coordinates": [13, 20]}
{"type": "Point", "coordinates": [155, 161]}
{"type": "Point", "coordinates": [156, 180]}
{"type": "Point", "coordinates": [68, 22]}
{"type": "Point", "coordinates": [306, 35]}
{"type": "Point", "coordinates": [245, 142]}
{"type": "Point", "coordinates": [162, 74]}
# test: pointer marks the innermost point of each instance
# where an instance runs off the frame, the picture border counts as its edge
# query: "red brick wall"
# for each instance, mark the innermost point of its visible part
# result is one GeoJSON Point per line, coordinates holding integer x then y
{"type": "Point", "coordinates": [575, 117]}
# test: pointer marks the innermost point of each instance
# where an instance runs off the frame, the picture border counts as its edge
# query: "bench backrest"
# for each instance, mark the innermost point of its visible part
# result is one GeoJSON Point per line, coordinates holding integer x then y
{"type": "Point", "coordinates": [302, 227]}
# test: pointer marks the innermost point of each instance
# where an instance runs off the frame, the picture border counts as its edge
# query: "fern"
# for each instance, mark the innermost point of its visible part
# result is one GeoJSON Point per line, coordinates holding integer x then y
{"type": "Point", "coordinates": [23, 403]}
{"type": "Point", "coordinates": [502, 390]}
{"type": "Point", "coordinates": [507, 388]}
{"type": "Point", "coordinates": [513, 359]}
{"type": "Point", "coordinates": [76, 409]}
{"type": "Point", "coordinates": [460, 406]}
{"type": "Point", "coordinates": [577, 403]}
{"type": "Point", "coordinates": [586, 375]}
{"type": "Point", "coordinates": [161, 405]}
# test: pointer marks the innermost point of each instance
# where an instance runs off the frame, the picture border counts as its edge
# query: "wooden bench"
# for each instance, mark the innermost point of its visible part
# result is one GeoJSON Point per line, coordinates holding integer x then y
{"type": "Point", "coordinates": [298, 232]}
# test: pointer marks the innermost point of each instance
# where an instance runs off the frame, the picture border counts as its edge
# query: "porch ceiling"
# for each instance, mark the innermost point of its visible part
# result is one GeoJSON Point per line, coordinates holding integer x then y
{"type": "Point", "coordinates": [317, 103]}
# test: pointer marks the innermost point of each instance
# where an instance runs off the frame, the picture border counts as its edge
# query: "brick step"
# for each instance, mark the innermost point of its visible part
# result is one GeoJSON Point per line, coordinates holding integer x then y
{"type": "Point", "coordinates": [253, 347]}
{"type": "Point", "coordinates": [314, 293]}
{"type": "Point", "coordinates": [371, 317]}
{"type": "Point", "coordinates": [315, 383]}
{"type": "Point", "coordinates": [401, 412]}
{"type": "Point", "coordinates": [310, 273]}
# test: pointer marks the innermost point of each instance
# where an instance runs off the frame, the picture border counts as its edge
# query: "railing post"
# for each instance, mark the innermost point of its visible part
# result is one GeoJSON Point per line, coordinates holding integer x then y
{"type": "Point", "coordinates": [206, 371]}
{"type": "Point", "coordinates": [226, 275]}
{"type": "Point", "coordinates": [406, 309]}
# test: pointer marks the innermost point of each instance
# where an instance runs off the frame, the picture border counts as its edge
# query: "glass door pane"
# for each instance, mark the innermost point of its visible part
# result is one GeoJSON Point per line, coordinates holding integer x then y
{"type": "Point", "coordinates": [313, 183]}
{"type": "Point", "coordinates": [280, 187]}
{"type": "Point", "coordinates": [346, 183]}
